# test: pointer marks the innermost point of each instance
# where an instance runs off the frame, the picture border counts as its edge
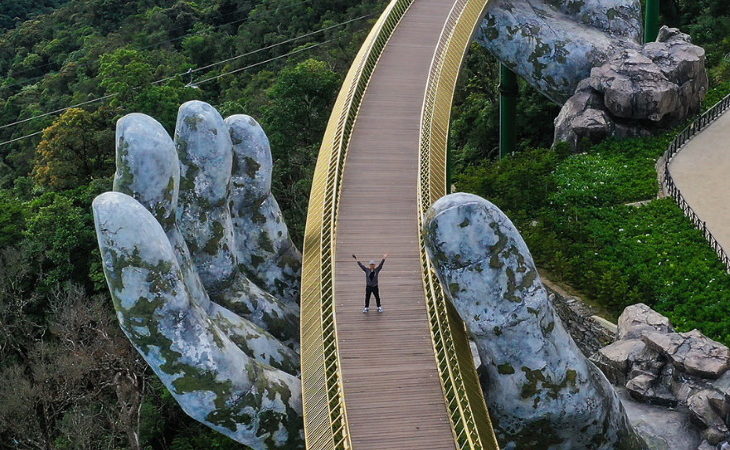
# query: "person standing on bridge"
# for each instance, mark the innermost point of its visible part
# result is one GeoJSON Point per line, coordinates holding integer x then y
{"type": "Point", "coordinates": [371, 282]}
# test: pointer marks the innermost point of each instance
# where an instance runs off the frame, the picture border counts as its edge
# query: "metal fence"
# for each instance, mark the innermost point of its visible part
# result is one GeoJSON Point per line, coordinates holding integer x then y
{"type": "Point", "coordinates": [671, 188]}
{"type": "Point", "coordinates": [325, 416]}
{"type": "Point", "coordinates": [462, 391]}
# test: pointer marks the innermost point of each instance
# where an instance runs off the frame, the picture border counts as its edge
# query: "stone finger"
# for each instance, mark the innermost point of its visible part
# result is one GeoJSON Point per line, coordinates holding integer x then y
{"type": "Point", "coordinates": [205, 151]}
{"type": "Point", "coordinates": [553, 52]}
{"type": "Point", "coordinates": [265, 251]}
{"type": "Point", "coordinates": [534, 376]}
{"type": "Point", "coordinates": [209, 376]}
{"type": "Point", "coordinates": [147, 166]}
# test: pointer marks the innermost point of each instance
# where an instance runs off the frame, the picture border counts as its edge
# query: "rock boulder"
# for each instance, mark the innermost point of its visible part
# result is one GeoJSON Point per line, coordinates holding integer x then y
{"type": "Point", "coordinates": [616, 360]}
{"type": "Point", "coordinates": [645, 387]}
{"type": "Point", "coordinates": [692, 352]}
{"type": "Point", "coordinates": [636, 91]}
{"type": "Point", "coordinates": [658, 366]}
{"type": "Point", "coordinates": [638, 319]}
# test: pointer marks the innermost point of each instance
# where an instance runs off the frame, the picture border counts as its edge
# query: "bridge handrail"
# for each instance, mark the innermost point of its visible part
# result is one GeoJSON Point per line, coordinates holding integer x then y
{"type": "Point", "coordinates": [460, 383]}
{"type": "Point", "coordinates": [677, 144]}
{"type": "Point", "coordinates": [325, 418]}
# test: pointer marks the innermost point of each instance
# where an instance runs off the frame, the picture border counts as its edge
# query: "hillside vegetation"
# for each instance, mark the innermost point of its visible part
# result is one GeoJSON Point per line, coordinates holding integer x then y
{"type": "Point", "coordinates": [573, 209]}
{"type": "Point", "coordinates": [70, 378]}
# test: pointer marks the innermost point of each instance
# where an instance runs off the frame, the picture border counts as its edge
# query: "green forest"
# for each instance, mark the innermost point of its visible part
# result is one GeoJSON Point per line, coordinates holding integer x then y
{"type": "Point", "coordinates": [71, 380]}
{"type": "Point", "coordinates": [70, 68]}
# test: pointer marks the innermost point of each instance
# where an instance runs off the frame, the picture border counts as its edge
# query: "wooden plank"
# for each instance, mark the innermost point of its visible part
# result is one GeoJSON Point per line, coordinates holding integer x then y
{"type": "Point", "coordinates": [392, 389]}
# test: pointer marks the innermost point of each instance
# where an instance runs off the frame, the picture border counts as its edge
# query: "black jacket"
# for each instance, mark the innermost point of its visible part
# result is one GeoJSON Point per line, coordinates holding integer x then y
{"type": "Point", "coordinates": [371, 275]}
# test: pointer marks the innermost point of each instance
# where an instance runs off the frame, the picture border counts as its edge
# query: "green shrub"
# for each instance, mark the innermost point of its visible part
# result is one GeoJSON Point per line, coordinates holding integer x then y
{"type": "Point", "coordinates": [573, 212]}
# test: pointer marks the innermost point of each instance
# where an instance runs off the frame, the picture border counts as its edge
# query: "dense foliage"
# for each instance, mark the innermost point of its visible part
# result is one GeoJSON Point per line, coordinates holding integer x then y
{"type": "Point", "coordinates": [16, 11]}
{"type": "Point", "coordinates": [70, 378]}
{"type": "Point", "coordinates": [591, 219]}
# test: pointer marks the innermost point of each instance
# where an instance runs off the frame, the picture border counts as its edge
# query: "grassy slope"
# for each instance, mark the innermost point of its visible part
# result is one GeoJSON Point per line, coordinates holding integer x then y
{"type": "Point", "coordinates": [573, 213]}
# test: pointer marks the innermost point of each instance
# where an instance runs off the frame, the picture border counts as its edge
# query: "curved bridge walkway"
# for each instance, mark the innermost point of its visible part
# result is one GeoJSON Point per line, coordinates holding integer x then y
{"type": "Point", "coordinates": [701, 171]}
{"type": "Point", "coordinates": [391, 385]}
{"type": "Point", "coordinates": [402, 379]}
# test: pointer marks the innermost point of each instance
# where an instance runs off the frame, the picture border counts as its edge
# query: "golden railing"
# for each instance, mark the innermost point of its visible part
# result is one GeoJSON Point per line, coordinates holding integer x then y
{"type": "Point", "coordinates": [325, 417]}
{"type": "Point", "coordinates": [464, 398]}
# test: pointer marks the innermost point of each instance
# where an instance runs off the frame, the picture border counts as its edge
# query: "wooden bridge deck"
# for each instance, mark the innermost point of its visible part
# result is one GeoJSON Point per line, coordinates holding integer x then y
{"type": "Point", "coordinates": [392, 390]}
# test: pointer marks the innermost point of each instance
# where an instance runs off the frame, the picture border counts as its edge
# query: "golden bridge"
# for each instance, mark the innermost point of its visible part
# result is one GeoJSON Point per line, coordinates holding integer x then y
{"type": "Point", "coordinates": [405, 378]}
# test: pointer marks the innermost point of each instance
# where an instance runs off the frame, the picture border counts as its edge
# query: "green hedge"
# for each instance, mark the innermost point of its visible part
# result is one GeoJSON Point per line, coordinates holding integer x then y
{"type": "Point", "coordinates": [575, 212]}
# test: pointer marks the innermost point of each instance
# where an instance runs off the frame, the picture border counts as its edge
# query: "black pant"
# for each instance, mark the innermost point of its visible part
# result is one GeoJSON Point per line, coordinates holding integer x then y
{"type": "Point", "coordinates": [371, 290]}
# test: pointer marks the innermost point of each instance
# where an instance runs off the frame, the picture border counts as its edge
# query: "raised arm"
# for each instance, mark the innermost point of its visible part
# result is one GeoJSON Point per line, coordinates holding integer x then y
{"type": "Point", "coordinates": [365, 269]}
{"type": "Point", "coordinates": [382, 261]}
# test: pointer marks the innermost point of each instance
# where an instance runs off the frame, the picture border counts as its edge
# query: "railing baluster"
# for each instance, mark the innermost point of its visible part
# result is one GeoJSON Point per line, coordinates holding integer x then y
{"type": "Point", "coordinates": [672, 189]}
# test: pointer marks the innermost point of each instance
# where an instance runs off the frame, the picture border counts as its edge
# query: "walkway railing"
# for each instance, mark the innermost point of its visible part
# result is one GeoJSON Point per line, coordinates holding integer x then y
{"type": "Point", "coordinates": [460, 383]}
{"type": "Point", "coordinates": [325, 418]}
{"type": "Point", "coordinates": [671, 188]}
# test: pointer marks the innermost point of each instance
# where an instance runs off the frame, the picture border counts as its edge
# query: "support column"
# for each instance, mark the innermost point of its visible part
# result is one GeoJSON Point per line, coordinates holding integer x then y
{"type": "Point", "coordinates": [651, 20]}
{"type": "Point", "coordinates": [508, 91]}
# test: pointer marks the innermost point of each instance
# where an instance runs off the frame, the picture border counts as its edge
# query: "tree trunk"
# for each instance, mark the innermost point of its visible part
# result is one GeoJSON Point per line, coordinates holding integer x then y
{"type": "Point", "coordinates": [129, 397]}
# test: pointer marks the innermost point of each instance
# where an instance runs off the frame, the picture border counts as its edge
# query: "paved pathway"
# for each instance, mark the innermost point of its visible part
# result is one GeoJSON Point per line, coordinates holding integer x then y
{"type": "Point", "coordinates": [701, 171]}
{"type": "Point", "coordinates": [392, 390]}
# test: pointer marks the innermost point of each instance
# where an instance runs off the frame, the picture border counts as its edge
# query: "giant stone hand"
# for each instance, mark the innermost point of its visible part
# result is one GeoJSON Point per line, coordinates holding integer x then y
{"type": "Point", "coordinates": [587, 55]}
{"type": "Point", "coordinates": [202, 272]}
{"type": "Point", "coordinates": [553, 44]}
{"type": "Point", "coordinates": [540, 390]}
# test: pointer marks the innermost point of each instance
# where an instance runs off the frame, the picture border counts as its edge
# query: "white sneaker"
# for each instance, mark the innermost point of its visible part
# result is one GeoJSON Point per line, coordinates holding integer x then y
{"type": "Point", "coordinates": [380, 309]}
{"type": "Point", "coordinates": [365, 310]}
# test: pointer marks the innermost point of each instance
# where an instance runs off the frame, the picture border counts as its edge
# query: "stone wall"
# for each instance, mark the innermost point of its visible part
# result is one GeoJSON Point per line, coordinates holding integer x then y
{"type": "Point", "coordinates": [588, 330]}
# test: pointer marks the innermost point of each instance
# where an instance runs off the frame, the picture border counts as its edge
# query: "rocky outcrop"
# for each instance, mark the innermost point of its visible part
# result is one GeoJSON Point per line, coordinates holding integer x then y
{"type": "Point", "coordinates": [639, 319]}
{"type": "Point", "coordinates": [691, 352]}
{"type": "Point", "coordinates": [540, 389]}
{"type": "Point", "coordinates": [659, 366]}
{"type": "Point", "coordinates": [636, 92]}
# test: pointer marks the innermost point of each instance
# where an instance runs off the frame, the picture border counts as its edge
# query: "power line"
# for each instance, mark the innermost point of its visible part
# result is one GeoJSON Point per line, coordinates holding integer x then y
{"type": "Point", "coordinates": [321, 30]}
{"type": "Point", "coordinates": [94, 100]}
{"type": "Point", "coordinates": [293, 52]}
{"type": "Point", "coordinates": [26, 81]}
{"type": "Point", "coordinates": [21, 138]}
{"type": "Point", "coordinates": [286, 41]}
